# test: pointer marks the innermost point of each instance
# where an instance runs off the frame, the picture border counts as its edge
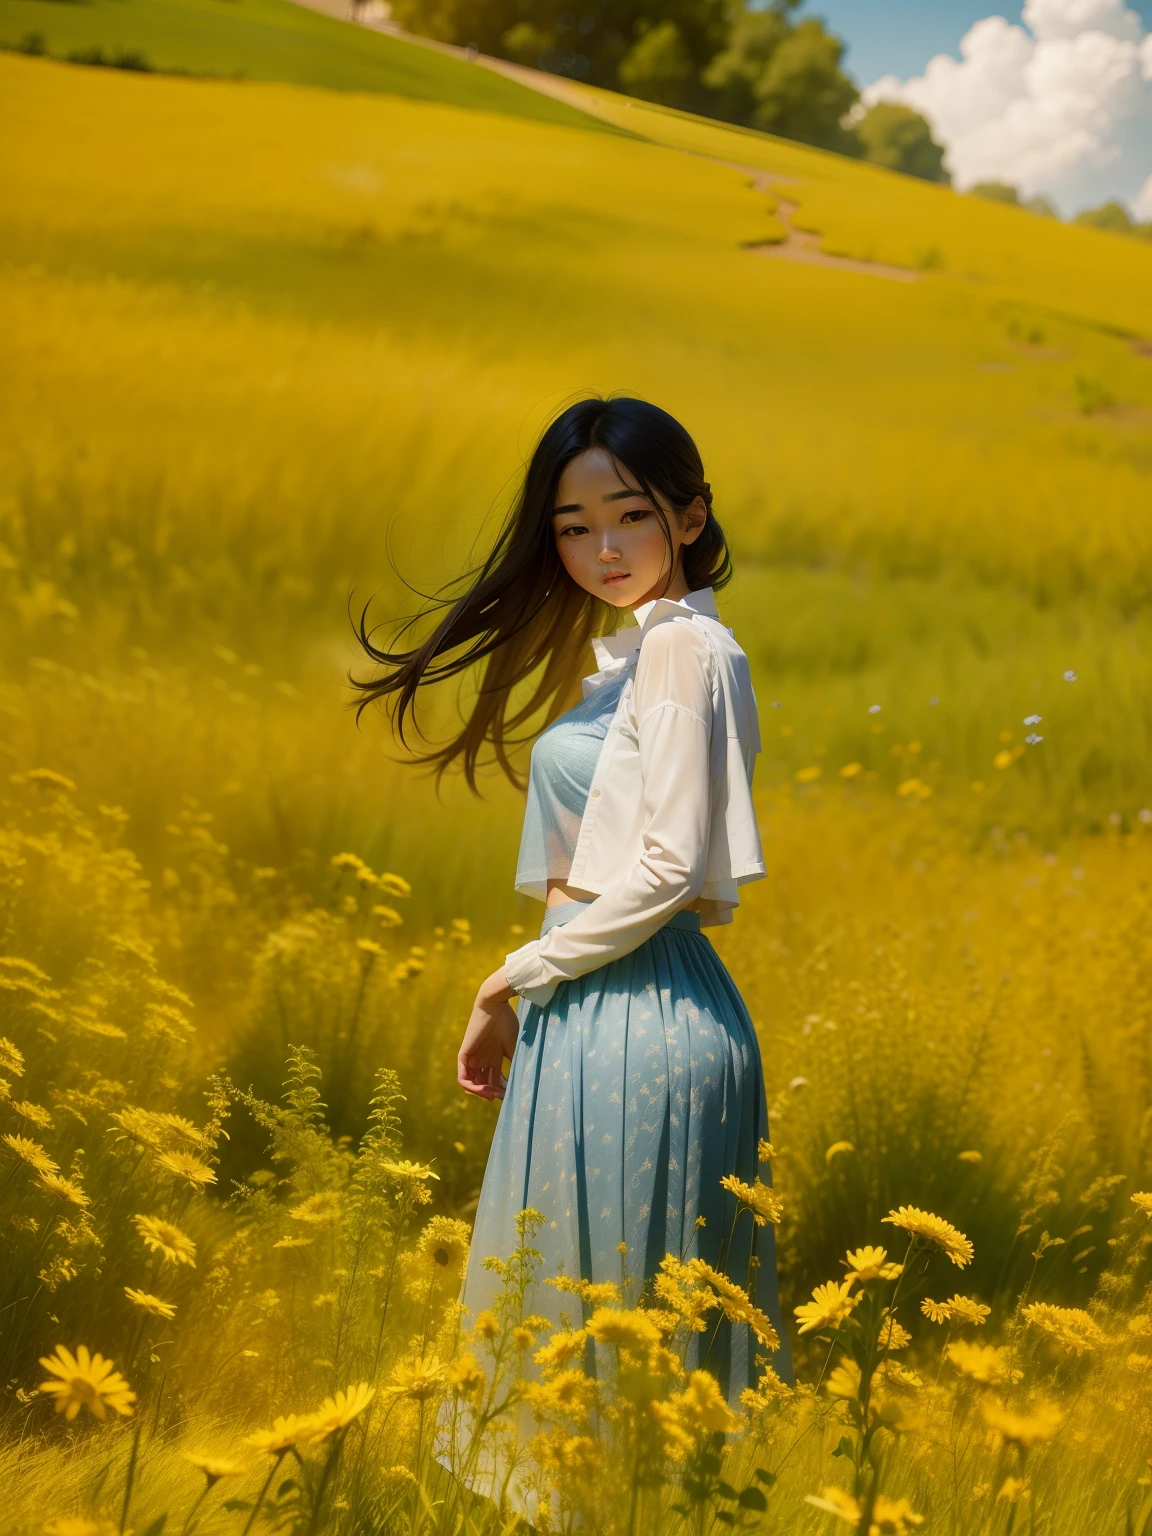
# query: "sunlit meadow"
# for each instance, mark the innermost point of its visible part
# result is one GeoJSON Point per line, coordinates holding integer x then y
{"type": "Point", "coordinates": [263, 344]}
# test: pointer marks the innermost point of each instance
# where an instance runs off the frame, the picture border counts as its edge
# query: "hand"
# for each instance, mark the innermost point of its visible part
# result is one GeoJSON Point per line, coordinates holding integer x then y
{"type": "Point", "coordinates": [491, 1036]}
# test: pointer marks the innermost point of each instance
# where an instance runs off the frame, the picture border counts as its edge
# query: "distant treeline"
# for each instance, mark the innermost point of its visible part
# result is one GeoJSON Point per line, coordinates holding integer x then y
{"type": "Point", "coordinates": [762, 68]}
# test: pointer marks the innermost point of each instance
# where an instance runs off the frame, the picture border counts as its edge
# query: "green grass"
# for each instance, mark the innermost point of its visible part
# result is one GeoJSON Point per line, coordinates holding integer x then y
{"type": "Point", "coordinates": [273, 40]}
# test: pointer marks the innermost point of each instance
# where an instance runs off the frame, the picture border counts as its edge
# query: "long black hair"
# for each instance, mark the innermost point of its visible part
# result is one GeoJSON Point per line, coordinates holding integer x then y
{"type": "Point", "coordinates": [520, 612]}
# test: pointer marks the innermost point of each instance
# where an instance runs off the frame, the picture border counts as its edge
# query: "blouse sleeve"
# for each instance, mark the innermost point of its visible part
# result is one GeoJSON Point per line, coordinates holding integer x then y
{"type": "Point", "coordinates": [672, 697]}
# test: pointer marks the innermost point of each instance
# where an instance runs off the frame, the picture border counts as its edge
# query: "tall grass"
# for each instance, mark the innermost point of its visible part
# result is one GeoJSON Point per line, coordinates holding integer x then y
{"type": "Point", "coordinates": [260, 343]}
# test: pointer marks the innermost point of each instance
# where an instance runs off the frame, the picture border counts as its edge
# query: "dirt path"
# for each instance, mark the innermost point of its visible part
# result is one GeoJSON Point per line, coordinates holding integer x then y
{"type": "Point", "coordinates": [803, 245]}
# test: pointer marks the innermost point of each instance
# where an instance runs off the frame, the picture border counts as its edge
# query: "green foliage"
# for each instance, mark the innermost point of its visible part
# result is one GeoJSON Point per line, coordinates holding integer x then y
{"type": "Point", "coordinates": [1111, 216]}
{"type": "Point", "coordinates": [895, 136]}
{"type": "Point", "coordinates": [657, 67]}
{"type": "Point", "coordinates": [995, 192]}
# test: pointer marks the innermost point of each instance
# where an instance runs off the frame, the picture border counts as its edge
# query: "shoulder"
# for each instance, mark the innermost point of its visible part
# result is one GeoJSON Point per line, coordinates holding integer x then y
{"type": "Point", "coordinates": [676, 640]}
{"type": "Point", "coordinates": [676, 664]}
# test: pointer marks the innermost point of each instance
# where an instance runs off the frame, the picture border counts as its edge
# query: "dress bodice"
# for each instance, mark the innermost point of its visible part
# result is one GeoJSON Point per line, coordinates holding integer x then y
{"type": "Point", "coordinates": [559, 780]}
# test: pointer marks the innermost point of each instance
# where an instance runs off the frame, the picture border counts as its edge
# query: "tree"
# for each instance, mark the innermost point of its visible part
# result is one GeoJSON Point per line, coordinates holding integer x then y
{"type": "Point", "coordinates": [898, 138]}
{"type": "Point", "coordinates": [735, 73]}
{"type": "Point", "coordinates": [804, 94]}
{"type": "Point", "coordinates": [657, 67]}
{"type": "Point", "coordinates": [995, 192]}
{"type": "Point", "coordinates": [1112, 216]}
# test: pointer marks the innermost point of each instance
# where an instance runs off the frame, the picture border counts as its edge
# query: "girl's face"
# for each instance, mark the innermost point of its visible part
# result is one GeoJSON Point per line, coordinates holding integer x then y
{"type": "Point", "coordinates": [609, 534]}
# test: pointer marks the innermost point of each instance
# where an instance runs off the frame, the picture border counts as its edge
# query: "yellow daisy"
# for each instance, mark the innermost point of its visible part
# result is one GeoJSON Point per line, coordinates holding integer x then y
{"type": "Point", "coordinates": [830, 1305]}
{"type": "Point", "coordinates": [32, 1153]}
{"type": "Point", "coordinates": [336, 1413]}
{"type": "Point", "coordinates": [867, 1264]}
{"type": "Point", "coordinates": [166, 1239]}
{"type": "Point", "coordinates": [148, 1303]}
{"type": "Point", "coordinates": [215, 1467]}
{"type": "Point", "coordinates": [933, 1229]}
{"type": "Point", "coordinates": [182, 1165]}
{"type": "Point", "coordinates": [85, 1381]}
{"type": "Point", "coordinates": [286, 1432]}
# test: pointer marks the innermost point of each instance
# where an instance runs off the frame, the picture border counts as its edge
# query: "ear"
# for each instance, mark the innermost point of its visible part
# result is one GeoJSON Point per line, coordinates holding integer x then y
{"type": "Point", "coordinates": [692, 521]}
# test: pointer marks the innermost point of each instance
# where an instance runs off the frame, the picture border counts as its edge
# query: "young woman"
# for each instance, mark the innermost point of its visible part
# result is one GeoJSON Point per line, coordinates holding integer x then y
{"type": "Point", "coordinates": [635, 1082]}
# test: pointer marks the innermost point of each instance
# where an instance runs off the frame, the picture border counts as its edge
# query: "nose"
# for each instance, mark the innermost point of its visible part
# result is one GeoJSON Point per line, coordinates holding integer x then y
{"type": "Point", "coordinates": [607, 553]}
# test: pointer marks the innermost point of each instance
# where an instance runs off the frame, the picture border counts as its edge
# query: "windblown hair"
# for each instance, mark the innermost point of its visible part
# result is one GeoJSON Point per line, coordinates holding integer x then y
{"type": "Point", "coordinates": [519, 612]}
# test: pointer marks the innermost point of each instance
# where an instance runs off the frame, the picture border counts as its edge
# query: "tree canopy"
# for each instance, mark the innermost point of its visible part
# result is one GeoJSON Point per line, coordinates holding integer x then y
{"type": "Point", "coordinates": [763, 67]}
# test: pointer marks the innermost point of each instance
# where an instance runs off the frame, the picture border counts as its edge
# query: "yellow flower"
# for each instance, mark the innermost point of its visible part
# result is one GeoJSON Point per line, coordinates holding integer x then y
{"type": "Point", "coordinates": [408, 1172]}
{"type": "Point", "coordinates": [182, 1129]}
{"type": "Point", "coordinates": [735, 1303]}
{"type": "Point", "coordinates": [85, 1381]}
{"type": "Point", "coordinates": [761, 1199]}
{"type": "Point", "coordinates": [627, 1330]}
{"type": "Point", "coordinates": [183, 1165]}
{"type": "Point", "coordinates": [893, 1335]}
{"type": "Point", "coordinates": [702, 1409]}
{"type": "Point", "coordinates": [830, 1305]}
{"type": "Point", "coordinates": [958, 1309]}
{"type": "Point", "coordinates": [893, 1517]}
{"type": "Point", "coordinates": [765, 1151]}
{"type": "Point", "coordinates": [317, 1210]}
{"type": "Point", "coordinates": [569, 1394]}
{"type": "Point", "coordinates": [593, 1293]}
{"type": "Point", "coordinates": [164, 1238]}
{"type": "Point", "coordinates": [933, 1229]}
{"type": "Point", "coordinates": [395, 886]}
{"type": "Point", "coordinates": [835, 1501]}
{"type": "Point", "coordinates": [867, 1264]}
{"type": "Point", "coordinates": [523, 1338]}
{"type": "Point", "coordinates": [444, 1244]}
{"type": "Point", "coordinates": [389, 917]}
{"type": "Point", "coordinates": [214, 1467]}
{"type": "Point", "coordinates": [417, 1379]}
{"type": "Point", "coordinates": [352, 861]}
{"type": "Point", "coordinates": [293, 1242]}
{"type": "Point", "coordinates": [63, 1189]}
{"type": "Point", "coordinates": [148, 1303]}
{"type": "Point", "coordinates": [1022, 1429]}
{"type": "Point", "coordinates": [837, 1149]}
{"type": "Point", "coordinates": [466, 1376]}
{"type": "Point", "coordinates": [844, 1380]}
{"type": "Point", "coordinates": [971, 1156]}
{"type": "Point", "coordinates": [850, 770]}
{"type": "Point", "coordinates": [486, 1326]}
{"type": "Point", "coordinates": [33, 1112]}
{"type": "Point", "coordinates": [985, 1363]}
{"type": "Point", "coordinates": [1013, 1490]}
{"type": "Point", "coordinates": [285, 1433]}
{"type": "Point", "coordinates": [336, 1413]}
{"type": "Point", "coordinates": [32, 1153]}
{"type": "Point", "coordinates": [807, 775]}
{"type": "Point", "coordinates": [371, 948]}
{"type": "Point", "coordinates": [1142, 1201]}
{"type": "Point", "coordinates": [1068, 1326]}
{"type": "Point", "coordinates": [568, 1344]}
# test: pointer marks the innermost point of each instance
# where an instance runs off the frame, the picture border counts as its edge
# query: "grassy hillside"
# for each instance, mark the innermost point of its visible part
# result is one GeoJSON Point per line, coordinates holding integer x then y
{"type": "Point", "coordinates": [269, 40]}
{"type": "Point", "coordinates": [260, 340]}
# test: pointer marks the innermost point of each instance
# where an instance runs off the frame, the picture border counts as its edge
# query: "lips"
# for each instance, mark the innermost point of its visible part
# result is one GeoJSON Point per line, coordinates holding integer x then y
{"type": "Point", "coordinates": [615, 577]}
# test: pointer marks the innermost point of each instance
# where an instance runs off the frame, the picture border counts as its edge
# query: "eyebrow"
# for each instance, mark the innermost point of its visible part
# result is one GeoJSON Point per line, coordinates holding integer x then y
{"type": "Point", "coordinates": [612, 496]}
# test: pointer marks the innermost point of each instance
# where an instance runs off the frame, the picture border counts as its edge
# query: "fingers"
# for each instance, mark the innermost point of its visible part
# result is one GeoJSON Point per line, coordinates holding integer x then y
{"type": "Point", "coordinates": [480, 1079]}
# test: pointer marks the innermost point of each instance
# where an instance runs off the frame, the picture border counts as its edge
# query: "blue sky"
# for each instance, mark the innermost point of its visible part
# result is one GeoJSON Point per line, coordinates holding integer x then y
{"type": "Point", "coordinates": [900, 36]}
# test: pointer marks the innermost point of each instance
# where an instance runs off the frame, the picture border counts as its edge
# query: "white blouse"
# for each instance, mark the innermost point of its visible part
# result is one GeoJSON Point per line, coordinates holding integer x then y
{"type": "Point", "coordinates": [669, 817]}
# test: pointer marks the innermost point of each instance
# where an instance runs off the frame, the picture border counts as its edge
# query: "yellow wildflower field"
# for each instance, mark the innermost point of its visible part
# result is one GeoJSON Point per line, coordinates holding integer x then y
{"type": "Point", "coordinates": [266, 346]}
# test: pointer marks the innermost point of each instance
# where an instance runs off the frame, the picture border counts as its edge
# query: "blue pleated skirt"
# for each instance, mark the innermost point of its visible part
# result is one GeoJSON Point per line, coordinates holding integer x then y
{"type": "Point", "coordinates": [632, 1093]}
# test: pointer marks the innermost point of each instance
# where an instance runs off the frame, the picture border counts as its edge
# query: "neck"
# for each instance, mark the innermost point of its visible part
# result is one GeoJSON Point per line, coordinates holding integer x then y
{"type": "Point", "coordinates": [675, 590]}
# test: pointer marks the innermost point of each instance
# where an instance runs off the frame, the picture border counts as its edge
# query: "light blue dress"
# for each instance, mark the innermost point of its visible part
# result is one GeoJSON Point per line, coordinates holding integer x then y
{"type": "Point", "coordinates": [631, 1094]}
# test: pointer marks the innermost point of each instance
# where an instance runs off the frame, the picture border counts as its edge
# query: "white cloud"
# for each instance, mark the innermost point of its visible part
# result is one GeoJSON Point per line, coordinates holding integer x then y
{"type": "Point", "coordinates": [1061, 105]}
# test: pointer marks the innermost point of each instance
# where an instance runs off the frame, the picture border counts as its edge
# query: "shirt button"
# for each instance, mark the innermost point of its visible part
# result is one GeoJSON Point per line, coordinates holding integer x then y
{"type": "Point", "coordinates": [595, 794]}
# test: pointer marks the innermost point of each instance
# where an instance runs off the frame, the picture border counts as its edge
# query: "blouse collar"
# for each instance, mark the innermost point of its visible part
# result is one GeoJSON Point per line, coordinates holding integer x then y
{"type": "Point", "coordinates": [613, 652]}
